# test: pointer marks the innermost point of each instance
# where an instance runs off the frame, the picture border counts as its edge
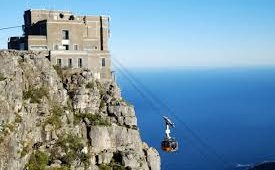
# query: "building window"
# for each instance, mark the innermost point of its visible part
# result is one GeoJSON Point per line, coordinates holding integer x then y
{"type": "Point", "coordinates": [59, 62]}
{"type": "Point", "coordinates": [103, 62]}
{"type": "Point", "coordinates": [70, 63]}
{"type": "Point", "coordinates": [66, 47]}
{"type": "Point", "coordinates": [71, 17]}
{"type": "Point", "coordinates": [80, 64]}
{"type": "Point", "coordinates": [65, 34]}
{"type": "Point", "coordinates": [61, 15]}
{"type": "Point", "coordinates": [75, 47]}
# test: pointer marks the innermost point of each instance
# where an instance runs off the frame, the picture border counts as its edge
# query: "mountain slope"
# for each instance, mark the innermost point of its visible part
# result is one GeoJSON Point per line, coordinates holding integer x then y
{"type": "Point", "coordinates": [54, 118]}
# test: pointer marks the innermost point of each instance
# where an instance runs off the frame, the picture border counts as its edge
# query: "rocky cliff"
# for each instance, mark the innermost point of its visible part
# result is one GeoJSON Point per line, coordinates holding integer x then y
{"type": "Point", "coordinates": [54, 118]}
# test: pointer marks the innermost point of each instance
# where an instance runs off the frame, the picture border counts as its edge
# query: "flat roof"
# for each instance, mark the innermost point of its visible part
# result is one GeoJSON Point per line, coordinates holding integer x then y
{"type": "Point", "coordinates": [64, 11]}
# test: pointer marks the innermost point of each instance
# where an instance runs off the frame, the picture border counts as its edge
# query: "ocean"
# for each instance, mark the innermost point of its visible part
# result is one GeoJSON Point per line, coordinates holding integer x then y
{"type": "Point", "coordinates": [224, 116]}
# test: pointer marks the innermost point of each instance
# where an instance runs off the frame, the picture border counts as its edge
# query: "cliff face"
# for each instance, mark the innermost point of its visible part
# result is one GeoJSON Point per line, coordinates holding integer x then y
{"type": "Point", "coordinates": [65, 119]}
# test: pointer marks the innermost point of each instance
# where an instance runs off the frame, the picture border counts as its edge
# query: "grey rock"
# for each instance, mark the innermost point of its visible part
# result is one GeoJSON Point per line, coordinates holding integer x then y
{"type": "Point", "coordinates": [26, 122]}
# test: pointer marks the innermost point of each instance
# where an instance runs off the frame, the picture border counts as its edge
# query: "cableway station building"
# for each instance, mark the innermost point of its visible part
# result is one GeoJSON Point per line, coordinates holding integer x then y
{"type": "Point", "coordinates": [71, 41]}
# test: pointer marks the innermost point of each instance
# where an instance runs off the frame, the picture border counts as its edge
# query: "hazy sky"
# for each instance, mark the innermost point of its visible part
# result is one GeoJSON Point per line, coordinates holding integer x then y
{"type": "Point", "coordinates": [163, 33]}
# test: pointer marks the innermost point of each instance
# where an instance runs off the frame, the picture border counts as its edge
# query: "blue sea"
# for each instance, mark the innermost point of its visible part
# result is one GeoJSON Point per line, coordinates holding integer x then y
{"type": "Point", "coordinates": [230, 111]}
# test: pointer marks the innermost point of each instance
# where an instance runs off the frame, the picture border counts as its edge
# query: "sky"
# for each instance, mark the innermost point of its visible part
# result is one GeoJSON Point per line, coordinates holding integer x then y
{"type": "Point", "coordinates": [172, 33]}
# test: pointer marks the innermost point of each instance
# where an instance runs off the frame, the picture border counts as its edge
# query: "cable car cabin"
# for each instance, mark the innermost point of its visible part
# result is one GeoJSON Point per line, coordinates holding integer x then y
{"type": "Point", "coordinates": [169, 145]}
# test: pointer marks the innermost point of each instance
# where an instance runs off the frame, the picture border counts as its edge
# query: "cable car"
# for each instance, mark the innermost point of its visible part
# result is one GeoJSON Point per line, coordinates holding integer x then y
{"type": "Point", "coordinates": [169, 144]}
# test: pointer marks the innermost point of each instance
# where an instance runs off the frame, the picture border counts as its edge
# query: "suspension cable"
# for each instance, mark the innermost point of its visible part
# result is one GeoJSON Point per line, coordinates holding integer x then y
{"type": "Point", "coordinates": [7, 28]}
{"type": "Point", "coordinates": [171, 112]}
{"type": "Point", "coordinates": [156, 109]}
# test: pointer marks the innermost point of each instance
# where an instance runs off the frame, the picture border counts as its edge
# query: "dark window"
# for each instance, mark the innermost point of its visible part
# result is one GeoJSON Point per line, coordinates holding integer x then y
{"type": "Point", "coordinates": [80, 63]}
{"type": "Point", "coordinates": [61, 15]}
{"type": "Point", "coordinates": [71, 17]}
{"type": "Point", "coordinates": [75, 47]}
{"type": "Point", "coordinates": [59, 62]}
{"type": "Point", "coordinates": [70, 63]}
{"type": "Point", "coordinates": [66, 47]}
{"type": "Point", "coordinates": [103, 62]}
{"type": "Point", "coordinates": [65, 34]}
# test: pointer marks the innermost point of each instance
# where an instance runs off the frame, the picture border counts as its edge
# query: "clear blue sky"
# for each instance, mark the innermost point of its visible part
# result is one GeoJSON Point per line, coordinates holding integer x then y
{"type": "Point", "coordinates": [163, 33]}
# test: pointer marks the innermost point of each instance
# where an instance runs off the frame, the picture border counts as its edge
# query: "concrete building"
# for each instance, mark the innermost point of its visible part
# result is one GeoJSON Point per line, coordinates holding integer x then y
{"type": "Point", "coordinates": [71, 41]}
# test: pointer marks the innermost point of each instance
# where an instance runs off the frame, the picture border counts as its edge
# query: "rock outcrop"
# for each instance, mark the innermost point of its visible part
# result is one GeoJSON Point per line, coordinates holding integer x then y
{"type": "Point", "coordinates": [54, 118]}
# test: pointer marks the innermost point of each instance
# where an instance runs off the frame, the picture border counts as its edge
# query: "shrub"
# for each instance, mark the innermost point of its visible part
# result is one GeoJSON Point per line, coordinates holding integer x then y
{"type": "Point", "coordinates": [25, 150]}
{"type": "Point", "coordinates": [102, 105]}
{"type": "Point", "coordinates": [6, 129]}
{"type": "Point", "coordinates": [118, 167]}
{"type": "Point", "coordinates": [105, 167]}
{"type": "Point", "coordinates": [93, 118]}
{"type": "Point", "coordinates": [70, 142]}
{"type": "Point", "coordinates": [18, 118]}
{"type": "Point", "coordinates": [97, 120]}
{"type": "Point", "coordinates": [90, 85]}
{"type": "Point", "coordinates": [38, 161]}
{"type": "Point", "coordinates": [60, 168]}
{"type": "Point", "coordinates": [57, 110]}
{"type": "Point", "coordinates": [72, 146]}
{"type": "Point", "coordinates": [54, 119]}
{"type": "Point", "coordinates": [2, 78]}
{"type": "Point", "coordinates": [35, 95]}
{"type": "Point", "coordinates": [111, 167]}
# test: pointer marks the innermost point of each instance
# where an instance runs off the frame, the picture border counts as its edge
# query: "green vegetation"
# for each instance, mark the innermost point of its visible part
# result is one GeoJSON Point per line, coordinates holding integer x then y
{"type": "Point", "coordinates": [72, 146]}
{"type": "Point", "coordinates": [102, 105]}
{"type": "Point", "coordinates": [93, 118]}
{"type": "Point", "coordinates": [111, 166]}
{"type": "Point", "coordinates": [69, 105]}
{"type": "Point", "coordinates": [105, 167]}
{"type": "Point", "coordinates": [7, 128]}
{"type": "Point", "coordinates": [54, 119]}
{"type": "Point", "coordinates": [61, 168]}
{"type": "Point", "coordinates": [25, 150]}
{"type": "Point", "coordinates": [118, 167]}
{"type": "Point", "coordinates": [38, 161]}
{"type": "Point", "coordinates": [2, 78]}
{"type": "Point", "coordinates": [90, 85]}
{"type": "Point", "coordinates": [115, 164]}
{"type": "Point", "coordinates": [60, 70]}
{"type": "Point", "coordinates": [18, 118]}
{"type": "Point", "coordinates": [35, 95]}
{"type": "Point", "coordinates": [57, 110]}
